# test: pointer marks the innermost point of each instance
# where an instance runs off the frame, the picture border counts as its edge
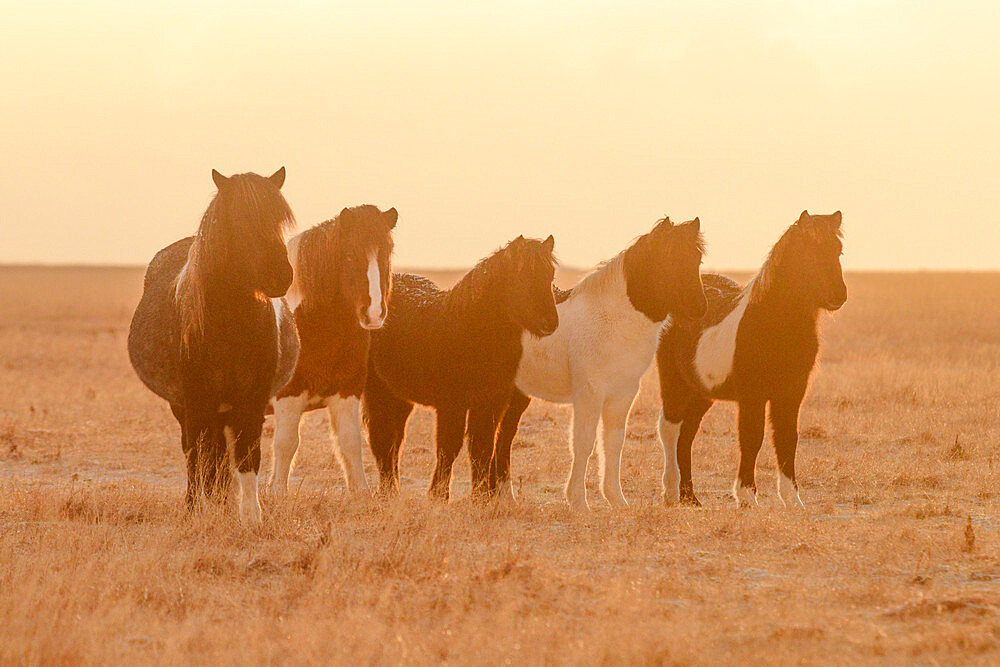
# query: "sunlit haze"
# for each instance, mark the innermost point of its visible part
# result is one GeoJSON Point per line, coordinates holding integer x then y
{"type": "Point", "coordinates": [482, 121]}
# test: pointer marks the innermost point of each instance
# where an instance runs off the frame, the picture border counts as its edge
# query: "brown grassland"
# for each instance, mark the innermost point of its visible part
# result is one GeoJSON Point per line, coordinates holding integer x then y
{"type": "Point", "coordinates": [895, 558]}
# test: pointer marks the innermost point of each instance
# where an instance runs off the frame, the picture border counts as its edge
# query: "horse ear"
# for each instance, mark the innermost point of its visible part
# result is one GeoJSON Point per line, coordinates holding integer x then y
{"type": "Point", "coordinates": [804, 217]}
{"type": "Point", "coordinates": [549, 244]}
{"type": "Point", "coordinates": [520, 237]}
{"type": "Point", "coordinates": [278, 178]}
{"type": "Point", "coordinates": [220, 180]}
{"type": "Point", "coordinates": [345, 213]}
{"type": "Point", "coordinates": [837, 217]}
{"type": "Point", "coordinates": [696, 224]}
{"type": "Point", "coordinates": [391, 216]}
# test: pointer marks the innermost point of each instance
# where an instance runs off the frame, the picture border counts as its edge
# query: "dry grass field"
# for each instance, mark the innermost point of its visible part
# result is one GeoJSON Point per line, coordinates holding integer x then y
{"type": "Point", "coordinates": [896, 557]}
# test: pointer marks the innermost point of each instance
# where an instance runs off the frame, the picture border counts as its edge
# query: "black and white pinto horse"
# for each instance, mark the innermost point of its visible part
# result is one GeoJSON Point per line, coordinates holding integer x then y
{"type": "Point", "coordinates": [213, 337]}
{"type": "Point", "coordinates": [756, 346]}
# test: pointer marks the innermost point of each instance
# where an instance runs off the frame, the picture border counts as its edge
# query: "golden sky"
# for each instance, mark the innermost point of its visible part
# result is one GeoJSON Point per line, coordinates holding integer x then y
{"type": "Point", "coordinates": [482, 121]}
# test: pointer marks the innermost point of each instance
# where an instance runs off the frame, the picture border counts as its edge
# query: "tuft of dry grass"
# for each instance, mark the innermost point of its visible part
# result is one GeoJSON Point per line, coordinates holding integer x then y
{"type": "Point", "coordinates": [894, 559]}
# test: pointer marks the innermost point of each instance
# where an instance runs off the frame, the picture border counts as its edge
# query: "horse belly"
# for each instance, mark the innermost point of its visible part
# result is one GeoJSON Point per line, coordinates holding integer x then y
{"type": "Point", "coordinates": [154, 344]}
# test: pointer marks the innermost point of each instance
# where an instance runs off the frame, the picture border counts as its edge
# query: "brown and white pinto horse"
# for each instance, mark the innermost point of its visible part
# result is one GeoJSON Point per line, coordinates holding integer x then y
{"type": "Point", "coordinates": [339, 295]}
{"type": "Point", "coordinates": [756, 346]}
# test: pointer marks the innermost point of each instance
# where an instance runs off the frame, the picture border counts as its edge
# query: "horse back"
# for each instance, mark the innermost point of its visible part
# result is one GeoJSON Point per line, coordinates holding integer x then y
{"type": "Point", "coordinates": [409, 350]}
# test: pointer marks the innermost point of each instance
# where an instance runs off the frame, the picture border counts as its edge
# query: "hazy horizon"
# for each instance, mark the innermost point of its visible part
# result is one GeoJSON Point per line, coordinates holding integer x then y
{"type": "Point", "coordinates": [478, 123]}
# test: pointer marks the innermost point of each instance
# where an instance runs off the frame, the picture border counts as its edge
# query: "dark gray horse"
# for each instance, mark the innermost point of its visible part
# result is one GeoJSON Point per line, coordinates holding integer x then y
{"type": "Point", "coordinates": [213, 337]}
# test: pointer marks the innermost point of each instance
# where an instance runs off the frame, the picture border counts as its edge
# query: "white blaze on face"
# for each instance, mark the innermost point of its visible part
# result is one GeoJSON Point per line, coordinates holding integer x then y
{"type": "Point", "coordinates": [374, 314]}
{"type": "Point", "coordinates": [713, 358]}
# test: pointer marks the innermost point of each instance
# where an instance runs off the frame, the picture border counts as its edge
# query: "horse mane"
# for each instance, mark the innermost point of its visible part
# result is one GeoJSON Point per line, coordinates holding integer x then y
{"type": "Point", "coordinates": [485, 274]}
{"type": "Point", "coordinates": [249, 210]}
{"type": "Point", "coordinates": [762, 283]}
{"type": "Point", "coordinates": [611, 273]}
{"type": "Point", "coordinates": [316, 270]}
{"type": "Point", "coordinates": [603, 278]}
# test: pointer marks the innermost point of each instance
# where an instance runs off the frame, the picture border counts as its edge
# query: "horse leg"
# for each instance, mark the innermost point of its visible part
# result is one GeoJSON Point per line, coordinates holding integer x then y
{"type": "Point", "coordinates": [586, 414]}
{"type": "Point", "coordinates": [345, 422]}
{"type": "Point", "coordinates": [614, 416]}
{"type": "Point", "coordinates": [482, 438]}
{"type": "Point", "coordinates": [190, 449]}
{"type": "Point", "coordinates": [675, 396]}
{"type": "Point", "coordinates": [500, 465]}
{"type": "Point", "coordinates": [386, 416]}
{"type": "Point", "coordinates": [215, 461]}
{"type": "Point", "coordinates": [751, 427]}
{"type": "Point", "coordinates": [785, 425]}
{"type": "Point", "coordinates": [450, 433]}
{"type": "Point", "coordinates": [197, 432]}
{"type": "Point", "coordinates": [689, 429]}
{"type": "Point", "coordinates": [287, 420]}
{"type": "Point", "coordinates": [242, 432]}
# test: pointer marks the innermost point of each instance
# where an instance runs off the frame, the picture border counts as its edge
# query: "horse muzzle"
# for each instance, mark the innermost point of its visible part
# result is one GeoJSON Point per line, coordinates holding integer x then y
{"type": "Point", "coordinates": [835, 301]}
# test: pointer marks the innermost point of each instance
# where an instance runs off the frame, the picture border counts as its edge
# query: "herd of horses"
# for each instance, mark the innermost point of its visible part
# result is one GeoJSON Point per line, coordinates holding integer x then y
{"type": "Point", "coordinates": [234, 323]}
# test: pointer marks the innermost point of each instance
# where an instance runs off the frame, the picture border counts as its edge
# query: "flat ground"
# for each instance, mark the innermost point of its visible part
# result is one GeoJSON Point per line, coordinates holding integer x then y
{"type": "Point", "coordinates": [896, 556]}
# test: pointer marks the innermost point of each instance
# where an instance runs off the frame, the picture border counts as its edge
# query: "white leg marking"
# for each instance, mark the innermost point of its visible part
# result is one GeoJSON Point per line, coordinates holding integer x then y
{"type": "Point", "coordinates": [669, 434]}
{"type": "Point", "coordinates": [374, 314]}
{"type": "Point", "coordinates": [345, 422]}
{"type": "Point", "coordinates": [287, 417]}
{"type": "Point", "coordinates": [614, 416]}
{"type": "Point", "coordinates": [788, 492]}
{"type": "Point", "coordinates": [505, 493]}
{"type": "Point", "coordinates": [713, 358]}
{"type": "Point", "coordinates": [745, 496]}
{"type": "Point", "coordinates": [249, 502]}
{"type": "Point", "coordinates": [586, 414]}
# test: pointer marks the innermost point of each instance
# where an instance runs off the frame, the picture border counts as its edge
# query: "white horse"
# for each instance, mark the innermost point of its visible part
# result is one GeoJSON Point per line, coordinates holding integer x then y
{"type": "Point", "coordinates": [607, 336]}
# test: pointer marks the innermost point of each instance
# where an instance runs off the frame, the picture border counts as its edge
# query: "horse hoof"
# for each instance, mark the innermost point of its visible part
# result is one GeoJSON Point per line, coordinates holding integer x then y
{"type": "Point", "coordinates": [690, 499]}
{"type": "Point", "coordinates": [619, 504]}
{"type": "Point", "coordinates": [578, 505]}
{"type": "Point", "coordinates": [746, 496]}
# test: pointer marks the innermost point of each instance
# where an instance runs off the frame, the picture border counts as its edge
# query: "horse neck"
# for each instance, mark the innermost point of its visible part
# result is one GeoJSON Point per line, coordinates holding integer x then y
{"type": "Point", "coordinates": [219, 288]}
{"type": "Point", "coordinates": [615, 288]}
{"type": "Point", "coordinates": [782, 301]}
{"type": "Point", "coordinates": [475, 301]}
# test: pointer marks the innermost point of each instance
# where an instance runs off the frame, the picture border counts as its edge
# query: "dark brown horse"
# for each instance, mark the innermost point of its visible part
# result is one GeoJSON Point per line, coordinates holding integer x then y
{"type": "Point", "coordinates": [457, 350]}
{"type": "Point", "coordinates": [212, 336]}
{"type": "Point", "coordinates": [757, 346]}
{"type": "Point", "coordinates": [340, 294]}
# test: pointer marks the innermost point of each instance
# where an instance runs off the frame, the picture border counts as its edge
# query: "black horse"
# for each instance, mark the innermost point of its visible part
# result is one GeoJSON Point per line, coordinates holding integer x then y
{"type": "Point", "coordinates": [212, 336]}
